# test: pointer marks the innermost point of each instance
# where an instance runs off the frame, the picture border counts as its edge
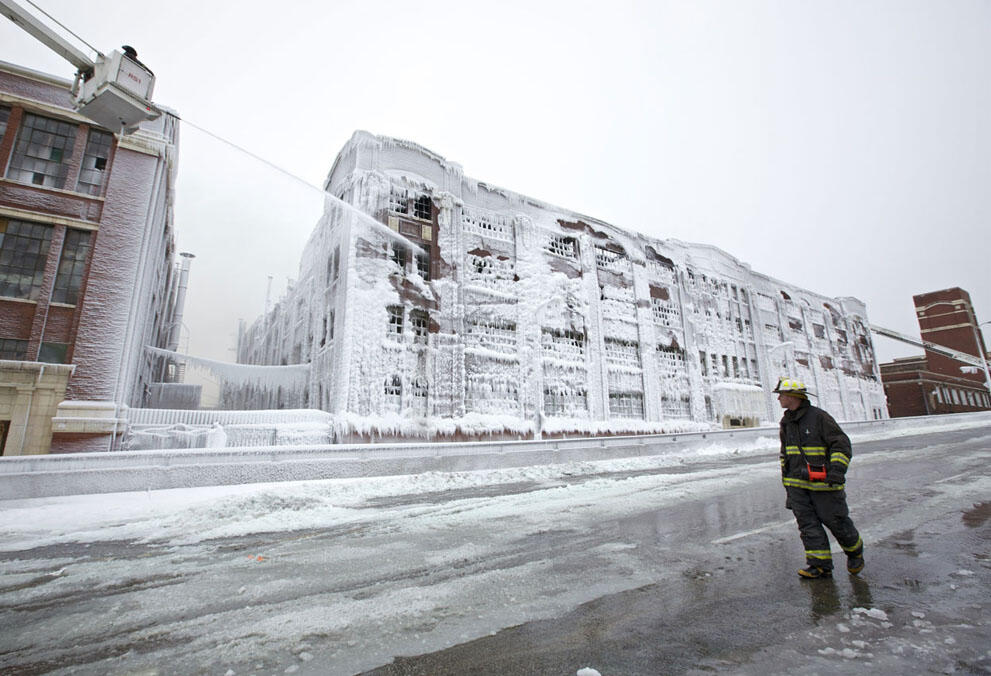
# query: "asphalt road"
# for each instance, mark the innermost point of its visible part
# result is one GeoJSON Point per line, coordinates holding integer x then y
{"type": "Point", "coordinates": [686, 569]}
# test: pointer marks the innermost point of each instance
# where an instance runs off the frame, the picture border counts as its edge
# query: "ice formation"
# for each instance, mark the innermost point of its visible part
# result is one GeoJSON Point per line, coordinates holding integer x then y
{"type": "Point", "coordinates": [431, 301]}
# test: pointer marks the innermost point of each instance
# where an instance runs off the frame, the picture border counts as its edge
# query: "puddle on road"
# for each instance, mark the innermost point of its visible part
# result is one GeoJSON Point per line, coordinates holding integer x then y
{"type": "Point", "coordinates": [977, 516]}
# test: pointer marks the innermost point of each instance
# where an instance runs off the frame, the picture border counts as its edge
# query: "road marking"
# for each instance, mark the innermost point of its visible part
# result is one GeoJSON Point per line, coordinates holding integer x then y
{"type": "Point", "coordinates": [737, 536]}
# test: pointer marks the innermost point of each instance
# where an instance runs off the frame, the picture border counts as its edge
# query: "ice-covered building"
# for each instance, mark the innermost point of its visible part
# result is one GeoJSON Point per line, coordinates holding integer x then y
{"type": "Point", "coordinates": [459, 307]}
{"type": "Point", "coordinates": [86, 267]}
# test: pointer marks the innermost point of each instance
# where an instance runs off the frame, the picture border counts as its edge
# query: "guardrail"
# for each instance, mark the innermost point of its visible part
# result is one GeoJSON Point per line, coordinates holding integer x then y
{"type": "Point", "coordinates": [163, 416]}
{"type": "Point", "coordinates": [81, 473]}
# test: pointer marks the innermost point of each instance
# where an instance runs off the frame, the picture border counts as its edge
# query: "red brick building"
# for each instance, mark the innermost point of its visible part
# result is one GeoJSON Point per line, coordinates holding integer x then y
{"type": "Point", "coordinates": [933, 383]}
{"type": "Point", "coordinates": [86, 272]}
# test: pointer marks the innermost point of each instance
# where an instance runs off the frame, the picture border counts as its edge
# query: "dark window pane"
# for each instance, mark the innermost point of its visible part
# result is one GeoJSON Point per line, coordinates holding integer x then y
{"type": "Point", "coordinates": [23, 250]}
{"type": "Point", "coordinates": [42, 152]}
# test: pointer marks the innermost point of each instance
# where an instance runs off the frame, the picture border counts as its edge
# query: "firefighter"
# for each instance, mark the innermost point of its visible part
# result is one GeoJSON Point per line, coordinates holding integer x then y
{"type": "Point", "coordinates": [815, 454]}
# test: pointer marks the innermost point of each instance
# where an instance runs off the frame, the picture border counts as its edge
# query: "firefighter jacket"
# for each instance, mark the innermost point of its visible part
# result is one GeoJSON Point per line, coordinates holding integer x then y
{"type": "Point", "coordinates": [810, 435]}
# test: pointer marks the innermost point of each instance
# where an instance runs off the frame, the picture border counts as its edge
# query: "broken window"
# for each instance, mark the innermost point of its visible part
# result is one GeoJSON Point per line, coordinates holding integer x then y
{"type": "Point", "coordinates": [666, 313]}
{"type": "Point", "coordinates": [393, 394]}
{"type": "Point", "coordinates": [398, 255]}
{"type": "Point", "coordinates": [423, 265]}
{"type": "Point", "coordinates": [421, 207]}
{"type": "Point", "coordinates": [398, 200]}
{"type": "Point", "coordinates": [68, 281]}
{"type": "Point", "coordinates": [566, 247]}
{"type": "Point", "coordinates": [607, 259]}
{"type": "Point", "coordinates": [42, 153]}
{"type": "Point", "coordinates": [841, 336]}
{"type": "Point", "coordinates": [395, 331]}
{"type": "Point", "coordinates": [95, 158]}
{"type": "Point", "coordinates": [819, 330]}
{"type": "Point", "coordinates": [419, 320]}
{"type": "Point", "coordinates": [23, 252]}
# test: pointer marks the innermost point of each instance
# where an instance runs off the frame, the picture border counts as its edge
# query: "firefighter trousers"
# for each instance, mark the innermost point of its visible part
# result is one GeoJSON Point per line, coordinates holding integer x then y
{"type": "Point", "coordinates": [815, 509]}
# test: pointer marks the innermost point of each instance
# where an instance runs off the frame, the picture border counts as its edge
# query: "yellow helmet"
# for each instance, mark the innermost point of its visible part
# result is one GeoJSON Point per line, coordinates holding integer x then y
{"type": "Point", "coordinates": [795, 388]}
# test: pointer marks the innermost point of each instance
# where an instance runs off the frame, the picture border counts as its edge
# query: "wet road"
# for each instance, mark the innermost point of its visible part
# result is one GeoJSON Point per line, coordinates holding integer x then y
{"type": "Point", "coordinates": [735, 604]}
{"type": "Point", "coordinates": [678, 569]}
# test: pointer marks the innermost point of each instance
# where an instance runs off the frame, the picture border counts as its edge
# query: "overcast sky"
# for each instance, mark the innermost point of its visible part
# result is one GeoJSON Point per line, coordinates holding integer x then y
{"type": "Point", "coordinates": [844, 146]}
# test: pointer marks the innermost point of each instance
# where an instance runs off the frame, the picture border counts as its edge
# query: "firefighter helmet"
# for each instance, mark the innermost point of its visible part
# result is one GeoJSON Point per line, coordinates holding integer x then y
{"type": "Point", "coordinates": [792, 387]}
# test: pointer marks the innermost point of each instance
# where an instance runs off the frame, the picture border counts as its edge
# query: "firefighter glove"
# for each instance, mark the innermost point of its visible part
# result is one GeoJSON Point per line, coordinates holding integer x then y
{"type": "Point", "coordinates": [835, 476]}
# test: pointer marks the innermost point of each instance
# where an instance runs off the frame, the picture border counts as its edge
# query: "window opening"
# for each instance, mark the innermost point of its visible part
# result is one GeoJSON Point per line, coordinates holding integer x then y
{"type": "Point", "coordinates": [626, 404]}
{"type": "Point", "coordinates": [562, 402]}
{"type": "Point", "coordinates": [421, 207]}
{"type": "Point", "coordinates": [95, 158]}
{"type": "Point", "coordinates": [564, 345]}
{"type": "Point", "coordinates": [620, 351]}
{"type": "Point", "coordinates": [562, 246]}
{"type": "Point", "coordinates": [4, 118]}
{"type": "Point", "coordinates": [395, 322]}
{"type": "Point", "coordinates": [398, 200]}
{"type": "Point", "coordinates": [492, 334]}
{"type": "Point", "coordinates": [423, 266]}
{"type": "Point", "coordinates": [393, 394]}
{"type": "Point", "coordinates": [13, 349]}
{"type": "Point", "coordinates": [71, 265]}
{"type": "Point", "coordinates": [43, 149]}
{"type": "Point", "coordinates": [419, 320]}
{"type": "Point", "coordinates": [23, 250]}
{"type": "Point", "coordinates": [398, 255]}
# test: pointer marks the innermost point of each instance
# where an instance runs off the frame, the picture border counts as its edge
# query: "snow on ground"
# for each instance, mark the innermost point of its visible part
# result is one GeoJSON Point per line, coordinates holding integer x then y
{"type": "Point", "coordinates": [188, 515]}
{"type": "Point", "coordinates": [196, 514]}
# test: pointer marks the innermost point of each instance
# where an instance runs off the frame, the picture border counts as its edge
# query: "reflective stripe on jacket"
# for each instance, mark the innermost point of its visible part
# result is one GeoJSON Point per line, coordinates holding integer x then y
{"type": "Point", "coordinates": [811, 430]}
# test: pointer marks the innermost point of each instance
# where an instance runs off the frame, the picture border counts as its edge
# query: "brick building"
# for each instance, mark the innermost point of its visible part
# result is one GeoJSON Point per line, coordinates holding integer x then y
{"type": "Point", "coordinates": [934, 383]}
{"type": "Point", "coordinates": [428, 301]}
{"type": "Point", "coordinates": [86, 272]}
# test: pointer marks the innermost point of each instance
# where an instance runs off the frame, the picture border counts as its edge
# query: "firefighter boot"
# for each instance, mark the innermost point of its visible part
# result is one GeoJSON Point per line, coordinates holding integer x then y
{"type": "Point", "coordinates": [855, 564]}
{"type": "Point", "coordinates": [813, 572]}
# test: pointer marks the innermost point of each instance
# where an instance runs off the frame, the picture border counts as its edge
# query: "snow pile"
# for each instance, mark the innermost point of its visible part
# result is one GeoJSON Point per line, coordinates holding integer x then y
{"type": "Point", "coordinates": [189, 515]}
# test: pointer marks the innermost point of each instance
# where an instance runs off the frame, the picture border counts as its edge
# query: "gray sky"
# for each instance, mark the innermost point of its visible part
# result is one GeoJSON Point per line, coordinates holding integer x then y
{"type": "Point", "coordinates": [844, 146]}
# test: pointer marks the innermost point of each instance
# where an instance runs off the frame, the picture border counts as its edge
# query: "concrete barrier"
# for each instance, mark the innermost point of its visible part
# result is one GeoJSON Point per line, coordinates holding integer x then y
{"type": "Point", "coordinates": [83, 473]}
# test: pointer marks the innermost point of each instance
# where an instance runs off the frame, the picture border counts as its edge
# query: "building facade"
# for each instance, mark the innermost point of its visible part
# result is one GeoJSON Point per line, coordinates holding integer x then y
{"type": "Point", "coordinates": [86, 272]}
{"type": "Point", "coordinates": [934, 383]}
{"type": "Point", "coordinates": [429, 299]}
